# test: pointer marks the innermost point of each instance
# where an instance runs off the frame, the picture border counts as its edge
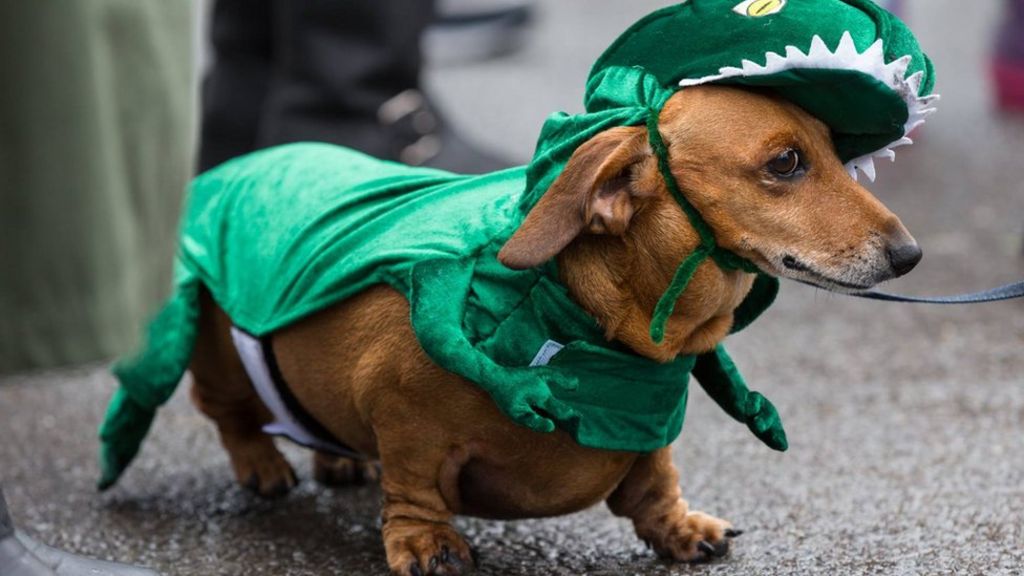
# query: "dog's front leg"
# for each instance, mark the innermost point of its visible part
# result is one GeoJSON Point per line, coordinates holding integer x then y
{"type": "Point", "coordinates": [418, 537]}
{"type": "Point", "coordinates": [650, 496]}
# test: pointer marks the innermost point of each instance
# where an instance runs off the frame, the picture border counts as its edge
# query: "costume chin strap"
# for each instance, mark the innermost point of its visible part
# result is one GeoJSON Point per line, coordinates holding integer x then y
{"type": "Point", "coordinates": [708, 248]}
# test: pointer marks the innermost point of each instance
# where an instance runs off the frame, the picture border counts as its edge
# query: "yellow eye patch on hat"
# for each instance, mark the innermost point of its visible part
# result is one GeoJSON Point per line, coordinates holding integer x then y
{"type": "Point", "coordinates": [759, 8]}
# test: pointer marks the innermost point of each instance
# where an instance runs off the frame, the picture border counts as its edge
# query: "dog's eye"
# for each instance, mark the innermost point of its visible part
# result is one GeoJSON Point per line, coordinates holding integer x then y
{"type": "Point", "coordinates": [787, 164]}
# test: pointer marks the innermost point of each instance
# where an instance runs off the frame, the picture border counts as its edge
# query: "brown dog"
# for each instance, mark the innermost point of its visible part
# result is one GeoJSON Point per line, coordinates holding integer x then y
{"type": "Point", "coordinates": [766, 178]}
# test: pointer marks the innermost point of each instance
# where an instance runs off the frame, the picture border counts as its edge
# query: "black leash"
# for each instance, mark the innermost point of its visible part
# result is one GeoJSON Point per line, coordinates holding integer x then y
{"type": "Point", "coordinates": [1008, 292]}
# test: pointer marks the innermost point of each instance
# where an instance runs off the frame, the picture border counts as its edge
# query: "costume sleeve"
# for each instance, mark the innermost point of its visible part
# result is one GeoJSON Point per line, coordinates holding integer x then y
{"type": "Point", "coordinates": [718, 375]}
{"type": "Point", "coordinates": [438, 301]}
{"type": "Point", "coordinates": [762, 295]}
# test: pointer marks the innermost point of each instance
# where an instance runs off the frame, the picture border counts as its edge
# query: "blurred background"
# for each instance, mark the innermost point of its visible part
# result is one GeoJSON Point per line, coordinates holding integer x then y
{"type": "Point", "coordinates": [905, 422]}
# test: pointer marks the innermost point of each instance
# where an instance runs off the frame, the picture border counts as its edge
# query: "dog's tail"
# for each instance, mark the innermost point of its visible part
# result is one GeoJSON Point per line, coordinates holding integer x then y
{"type": "Point", "coordinates": [149, 378]}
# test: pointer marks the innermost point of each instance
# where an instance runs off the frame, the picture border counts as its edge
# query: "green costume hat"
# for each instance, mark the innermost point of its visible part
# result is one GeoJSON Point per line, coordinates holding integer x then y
{"type": "Point", "coordinates": [284, 233]}
{"type": "Point", "coordinates": [850, 63]}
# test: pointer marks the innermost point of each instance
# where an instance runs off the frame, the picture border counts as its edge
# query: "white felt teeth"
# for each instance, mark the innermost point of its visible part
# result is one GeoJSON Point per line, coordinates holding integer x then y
{"type": "Point", "coordinates": [865, 164]}
{"type": "Point", "coordinates": [775, 60]}
{"type": "Point", "coordinates": [888, 153]}
{"type": "Point", "coordinates": [914, 82]}
{"type": "Point", "coordinates": [818, 48]}
{"type": "Point", "coordinates": [846, 57]}
{"type": "Point", "coordinates": [897, 69]}
{"type": "Point", "coordinates": [875, 54]}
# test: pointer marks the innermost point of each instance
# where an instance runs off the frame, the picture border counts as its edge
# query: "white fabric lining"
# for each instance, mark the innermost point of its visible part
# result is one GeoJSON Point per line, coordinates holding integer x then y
{"type": "Point", "coordinates": [250, 350]}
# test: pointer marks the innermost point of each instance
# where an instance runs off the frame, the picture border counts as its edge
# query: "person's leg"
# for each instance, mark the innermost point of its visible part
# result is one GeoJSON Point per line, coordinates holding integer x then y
{"type": "Point", "coordinates": [466, 31]}
{"type": "Point", "coordinates": [235, 87]}
{"type": "Point", "coordinates": [6, 524]}
{"type": "Point", "coordinates": [1011, 39]}
{"type": "Point", "coordinates": [337, 64]}
{"type": "Point", "coordinates": [1008, 60]}
{"type": "Point", "coordinates": [15, 560]}
{"type": "Point", "coordinates": [95, 152]}
{"type": "Point", "coordinates": [1008, 63]}
{"type": "Point", "coordinates": [349, 73]}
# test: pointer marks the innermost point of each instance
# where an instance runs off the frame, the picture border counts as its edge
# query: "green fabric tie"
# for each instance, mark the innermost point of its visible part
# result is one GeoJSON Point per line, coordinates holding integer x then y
{"type": "Point", "coordinates": [708, 248]}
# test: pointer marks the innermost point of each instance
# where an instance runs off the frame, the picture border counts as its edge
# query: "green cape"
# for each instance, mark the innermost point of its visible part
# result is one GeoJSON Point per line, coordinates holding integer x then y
{"type": "Point", "coordinates": [284, 233]}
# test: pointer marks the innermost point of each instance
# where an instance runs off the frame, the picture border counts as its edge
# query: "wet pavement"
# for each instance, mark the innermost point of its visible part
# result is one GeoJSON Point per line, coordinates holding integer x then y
{"type": "Point", "coordinates": [906, 423]}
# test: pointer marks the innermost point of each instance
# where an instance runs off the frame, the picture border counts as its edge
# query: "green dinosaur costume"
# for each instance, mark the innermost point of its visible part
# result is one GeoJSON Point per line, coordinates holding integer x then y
{"type": "Point", "coordinates": [281, 234]}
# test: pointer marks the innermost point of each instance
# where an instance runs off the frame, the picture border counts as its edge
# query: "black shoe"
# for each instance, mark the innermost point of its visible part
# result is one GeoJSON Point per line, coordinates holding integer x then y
{"type": "Point", "coordinates": [465, 31]}
{"type": "Point", "coordinates": [421, 137]}
{"type": "Point", "coordinates": [23, 556]}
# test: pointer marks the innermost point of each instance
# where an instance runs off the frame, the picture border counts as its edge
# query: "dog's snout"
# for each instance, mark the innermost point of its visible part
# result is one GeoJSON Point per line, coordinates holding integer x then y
{"type": "Point", "coordinates": [904, 257]}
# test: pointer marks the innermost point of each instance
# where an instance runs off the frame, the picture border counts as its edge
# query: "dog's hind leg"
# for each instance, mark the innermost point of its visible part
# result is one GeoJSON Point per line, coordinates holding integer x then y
{"type": "Point", "coordinates": [650, 496]}
{"type": "Point", "coordinates": [339, 471]}
{"type": "Point", "coordinates": [223, 392]}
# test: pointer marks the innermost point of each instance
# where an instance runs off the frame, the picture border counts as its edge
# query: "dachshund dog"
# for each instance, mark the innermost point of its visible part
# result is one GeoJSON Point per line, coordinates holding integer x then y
{"type": "Point", "coordinates": [765, 176]}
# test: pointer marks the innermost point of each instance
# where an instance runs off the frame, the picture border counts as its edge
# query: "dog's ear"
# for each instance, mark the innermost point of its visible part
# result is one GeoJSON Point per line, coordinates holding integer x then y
{"type": "Point", "coordinates": [593, 193]}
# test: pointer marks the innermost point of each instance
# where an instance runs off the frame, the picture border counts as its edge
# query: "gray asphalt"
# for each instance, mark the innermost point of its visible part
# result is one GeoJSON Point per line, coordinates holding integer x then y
{"type": "Point", "coordinates": [906, 423]}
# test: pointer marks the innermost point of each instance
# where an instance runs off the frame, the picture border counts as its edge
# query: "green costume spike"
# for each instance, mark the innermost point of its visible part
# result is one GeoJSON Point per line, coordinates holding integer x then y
{"type": "Point", "coordinates": [284, 233]}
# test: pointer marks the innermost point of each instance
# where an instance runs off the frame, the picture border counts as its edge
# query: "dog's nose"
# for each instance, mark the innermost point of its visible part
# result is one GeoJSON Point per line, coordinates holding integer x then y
{"type": "Point", "coordinates": [904, 257]}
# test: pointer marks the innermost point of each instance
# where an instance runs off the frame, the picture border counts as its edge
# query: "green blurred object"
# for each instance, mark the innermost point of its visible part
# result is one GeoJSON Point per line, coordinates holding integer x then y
{"type": "Point", "coordinates": [95, 151]}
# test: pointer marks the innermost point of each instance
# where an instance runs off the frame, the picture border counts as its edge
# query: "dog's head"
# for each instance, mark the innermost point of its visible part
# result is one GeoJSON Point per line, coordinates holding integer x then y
{"type": "Point", "coordinates": [763, 173]}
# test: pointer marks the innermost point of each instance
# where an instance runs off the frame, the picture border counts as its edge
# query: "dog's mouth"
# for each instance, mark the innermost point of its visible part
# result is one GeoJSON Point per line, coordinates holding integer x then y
{"type": "Point", "coordinates": [815, 278]}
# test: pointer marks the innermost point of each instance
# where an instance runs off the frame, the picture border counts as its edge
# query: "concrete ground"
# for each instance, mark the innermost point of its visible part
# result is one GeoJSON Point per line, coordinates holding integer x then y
{"type": "Point", "coordinates": [905, 422]}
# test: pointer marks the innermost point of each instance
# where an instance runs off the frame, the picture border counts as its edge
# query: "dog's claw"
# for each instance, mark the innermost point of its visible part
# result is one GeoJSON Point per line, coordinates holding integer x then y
{"type": "Point", "coordinates": [430, 550]}
{"type": "Point", "coordinates": [706, 547]}
{"type": "Point", "coordinates": [733, 533]}
{"type": "Point", "coordinates": [710, 550]}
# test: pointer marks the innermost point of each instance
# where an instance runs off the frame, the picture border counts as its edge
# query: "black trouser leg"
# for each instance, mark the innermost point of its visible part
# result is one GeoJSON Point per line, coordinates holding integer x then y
{"type": "Point", "coordinates": [236, 86]}
{"type": "Point", "coordinates": [315, 70]}
{"type": "Point", "coordinates": [6, 524]}
{"type": "Point", "coordinates": [336, 63]}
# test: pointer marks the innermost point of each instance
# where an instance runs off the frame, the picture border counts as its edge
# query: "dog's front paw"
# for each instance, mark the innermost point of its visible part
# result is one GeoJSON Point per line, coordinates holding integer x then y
{"type": "Point", "coordinates": [696, 537]}
{"type": "Point", "coordinates": [426, 549]}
